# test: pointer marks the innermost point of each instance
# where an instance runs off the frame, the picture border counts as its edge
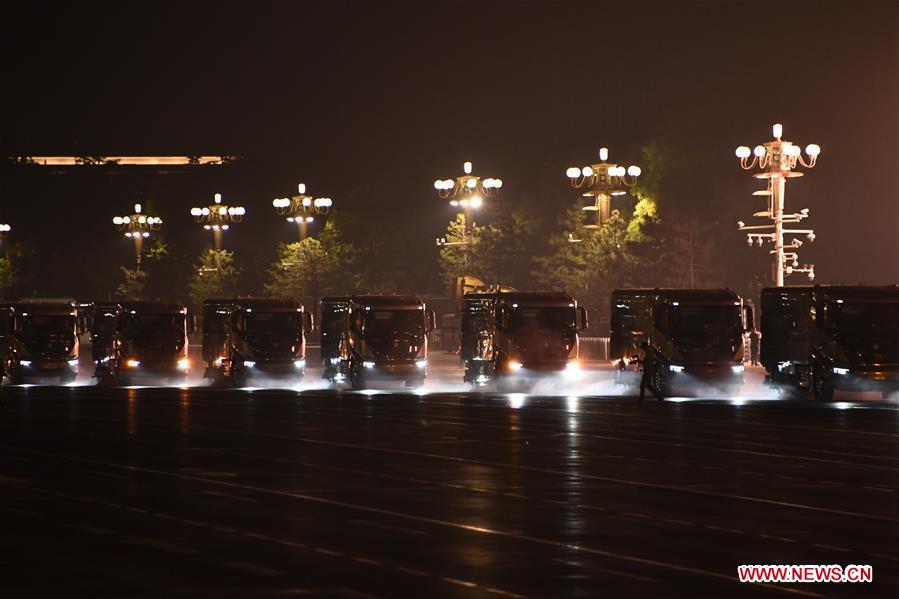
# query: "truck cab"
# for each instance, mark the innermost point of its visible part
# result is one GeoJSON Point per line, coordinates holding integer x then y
{"type": "Point", "coordinates": [477, 337]}
{"type": "Point", "coordinates": [535, 334]}
{"type": "Point", "coordinates": [265, 336]}
{"type": "Point", "coordinates": [46, 340]}
{"type": "Point", "coordinates": [690, 338]}
{"type": "Point", "coordinates": [831, 337]}
{"type": "Point", "coordinates": [332, 338]}
{"type": "Point", "coordinates": [153, 341]}
{"type": "Point", "coordinates": [387, 338]}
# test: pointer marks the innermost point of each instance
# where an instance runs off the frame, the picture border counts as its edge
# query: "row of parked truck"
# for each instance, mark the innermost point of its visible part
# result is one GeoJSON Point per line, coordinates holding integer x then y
{"type": "Point", "coordinates": [817, 338]}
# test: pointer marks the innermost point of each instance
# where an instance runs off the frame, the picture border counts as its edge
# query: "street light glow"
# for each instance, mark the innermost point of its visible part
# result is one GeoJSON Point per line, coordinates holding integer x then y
{"type": "Point", "coordinates": [602, 181]}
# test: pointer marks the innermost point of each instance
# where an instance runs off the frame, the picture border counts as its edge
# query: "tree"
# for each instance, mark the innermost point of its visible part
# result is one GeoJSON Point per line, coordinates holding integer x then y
{"type": "Point", "coordinates": [133, 284]}
{"type": "Point", "coordinates": [308, 269]}
{"type": "Point", "coordinates": [692, 254]}
{"type": "Point", "coordinates": [215, 275]}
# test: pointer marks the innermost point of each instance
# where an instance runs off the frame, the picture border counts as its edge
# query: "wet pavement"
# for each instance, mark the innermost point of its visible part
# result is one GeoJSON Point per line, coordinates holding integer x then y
{"type": "Point", "coordinates": [258, 492]}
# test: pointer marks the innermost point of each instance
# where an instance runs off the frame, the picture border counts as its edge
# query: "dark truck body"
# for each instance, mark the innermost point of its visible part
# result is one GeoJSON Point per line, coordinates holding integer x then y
{"type": "Point", "coordinates": [332, 339]}
{"type": "Point", "coordinates": [6, 339]}
{"type": "Point", "coordinates": [105, 336]}
{"type": "Point", "coordinates": [44, 340]}
{"type": "Point", "coordinates": [151, 342]}
{"type": "Point", "coordinates": [216, 319]}
{"type": "Point", "coordinates": [264, 337]}
{"type": "Point", "coordinates": [387, 338]}
{"type": "Point", "coordinates": [831, 337]}
{"type": "Point", "coordinates": [515, 336]}
{"type": "Point", "coordinates": [685, 337]}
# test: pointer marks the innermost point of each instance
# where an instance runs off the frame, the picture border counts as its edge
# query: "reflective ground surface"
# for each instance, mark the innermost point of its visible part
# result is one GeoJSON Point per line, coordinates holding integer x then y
{"type": "Point", "coordinates": [316, 492]}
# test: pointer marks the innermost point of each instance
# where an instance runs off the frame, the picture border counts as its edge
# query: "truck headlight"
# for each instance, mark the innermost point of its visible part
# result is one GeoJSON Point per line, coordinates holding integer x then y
{"type": "Point", "coordinates": [299, 363]}
{"type": "Point", "coordinates": [675, 368]}
{"type": "Point", "coordinates": [421, 364]}
{"type": "Point", "coordinates": [249, 363]}
{"type": "Point", "coordinates": [783, 366]}
{"type": "Point", "coordinates": [132, 363]}
{"type": "Point", "coordinates": [840, 371]}
{"type": "Point", "coordinates": [25, 363]}
{"type": "Point", "coordinates": [513, 365]}
{"type": "Point", "coordinates": [335, 361]}
{"type": "Point", "coordinates": [183, 364]}
{"type": "Point", "coordinates": [73, 363]}
{"type": "Point", "coordinates": [738, 369]}
{"type": "Point", "coordinates": [368, 364]}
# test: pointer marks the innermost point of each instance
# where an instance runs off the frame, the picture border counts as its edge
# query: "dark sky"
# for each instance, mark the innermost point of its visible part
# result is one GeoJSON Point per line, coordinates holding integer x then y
{"type": "Point", "coordinates": [369, 102]}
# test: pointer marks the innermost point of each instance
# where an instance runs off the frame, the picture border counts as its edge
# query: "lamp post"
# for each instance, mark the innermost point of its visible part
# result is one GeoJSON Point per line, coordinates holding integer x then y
{"type": "Point", "coordinates": [601, 181]}
{"type": "Point", "coordinates": [4, 229]}
{"type": "Point", "coordinates": [218, 217]}
{"type": "Point", "coordinates": [301, 208]}
{"type": "Point", "coordinates": [777, 159]}
{"type": "Point", "coordinates": [466, 192]}
{"type": "Point", "coordinates": [137, 226]}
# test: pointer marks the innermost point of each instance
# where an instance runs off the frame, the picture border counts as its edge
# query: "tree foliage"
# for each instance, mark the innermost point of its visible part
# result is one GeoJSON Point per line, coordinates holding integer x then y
{"type": "Point", "coordinates": [311, 268]}
{"type": "Point", "coordinates": [215, 275]}
{"type": "Point", "coordinates": [133, 284]}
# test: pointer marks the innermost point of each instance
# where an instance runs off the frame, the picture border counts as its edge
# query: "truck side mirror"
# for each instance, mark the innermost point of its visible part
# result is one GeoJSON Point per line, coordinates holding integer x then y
{"type": "Point", "coordinates": [748, 319]}
{"type": "Point", "coordinates": [308, 322]}
{"type": "Point", "coordinates": [432, 320]}
{"type": "Point", "coordinates": [582, 323]}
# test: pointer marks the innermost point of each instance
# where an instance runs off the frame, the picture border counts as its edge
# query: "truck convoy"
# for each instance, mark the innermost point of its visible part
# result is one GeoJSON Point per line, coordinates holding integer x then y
{"type": "Point", "coordinates": [332, 339]}
{"type": "Point", "coordinates": [262, 337]}
{"type": "Point", "coordinates": [825, 338]}
{"type": "Point", "coordinates": [150, 341]}
{"type": "Point", "coordinates": [516, 336]}
{"type": "Point", "coordinates": [387, 338]}
{"type": "Point", "coordinates": [43, 340]}
{"type": "Point", "coordinates": [682, 338]}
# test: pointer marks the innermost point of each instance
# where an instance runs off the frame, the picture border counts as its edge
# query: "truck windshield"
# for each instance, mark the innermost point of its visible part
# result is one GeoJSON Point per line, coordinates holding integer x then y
{"type": "Point", "coordinates": [214, 321]}
{"type": "Point", "coordinates": [333, 318]}
{"type": "Point", "coordinates": [394, 321]}
{"type": "Point", "coordinates": [152, 325]}
{"type": "Point", "coordinates": [704, 321]}
{"type": "Point", "coordinates": [38, 326]}
{"type": "Point", "coordinates": [857, 319]}
{"type": "Point", "coordinates": [543, 318]}
{"type": "Point", "coordinates": [268, 323]}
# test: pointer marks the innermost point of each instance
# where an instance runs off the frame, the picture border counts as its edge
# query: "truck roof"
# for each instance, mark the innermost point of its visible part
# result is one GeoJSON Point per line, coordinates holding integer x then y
{"type": "Point", "coordinates": [154, 306]}
{"type": "Point", "coordinates": [410, 302]}
{"type": "Point", "coordinates": [336, 299]}
{"type": "Point", "coordinates": [55, 307]}
{"type": "Point", "coordinates": [536, 298]}
{"type": "Point", "coordinates": [692, 296]}
{"type": "Point", "coordinates": [268, 304]}
{"type": "Point", "coordinates": [867, 293]}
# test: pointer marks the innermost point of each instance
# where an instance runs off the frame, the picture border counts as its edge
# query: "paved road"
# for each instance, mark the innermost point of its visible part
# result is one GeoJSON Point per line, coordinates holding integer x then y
{"type": "Point", "coordinates": [267, 492]}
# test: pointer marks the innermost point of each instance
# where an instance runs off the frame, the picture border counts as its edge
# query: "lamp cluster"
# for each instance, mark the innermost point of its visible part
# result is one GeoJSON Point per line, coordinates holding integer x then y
{"type": "Point", "coordinates": [137, 224]}
{"type": "Point", "coordinates": [467, 191]}
{"type": "Point", "coordinates": [601, 181]}
{"type": "Point", "coordinates": [302, 208]}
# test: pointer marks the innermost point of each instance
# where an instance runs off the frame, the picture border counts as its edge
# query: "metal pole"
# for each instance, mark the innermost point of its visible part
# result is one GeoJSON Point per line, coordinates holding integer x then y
{"type": "Point", "coordinates": [217, 238]}
{"type": "Point", "coordinates": [138, 247]}
{"type": "Point", "coordinates": [303, 226]}
{"type": "Point", "coordinates": [778, 189]}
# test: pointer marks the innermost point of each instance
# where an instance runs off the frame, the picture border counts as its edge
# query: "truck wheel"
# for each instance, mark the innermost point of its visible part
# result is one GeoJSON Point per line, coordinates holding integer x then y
{"type": "Point", "coordinates": [821, 387]}
{"type": "Point", "coordinates": [659, 384]}
{"type": "Point", "coordinates": [357, 379]}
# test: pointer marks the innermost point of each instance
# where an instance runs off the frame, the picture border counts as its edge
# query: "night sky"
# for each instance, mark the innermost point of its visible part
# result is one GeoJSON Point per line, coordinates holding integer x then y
{"type": "Point", "coordinates": [369, 102]}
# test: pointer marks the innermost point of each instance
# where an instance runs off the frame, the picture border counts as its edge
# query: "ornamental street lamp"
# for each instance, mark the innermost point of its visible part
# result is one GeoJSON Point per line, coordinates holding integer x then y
{"type": "Point", "coordinates": [777, 159]}
{"type": "Point", "coordinates": [301, 209]}
{"type": "Point", "coordinates": [467, 192]}
{"type": "Point", "coordinates": [601, 181]}
{"type": "Point", "coordinates": [137, 226]}
{"type": "Point", "coordinates": [217, 218]}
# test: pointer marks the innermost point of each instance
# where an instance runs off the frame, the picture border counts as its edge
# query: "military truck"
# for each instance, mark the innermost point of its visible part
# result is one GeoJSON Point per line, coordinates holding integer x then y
{"type": "Point", "coordinates": [831, 337]}
{"type": "Point", "coordinates": [153, 342]}
{"type": "Point", "coordinates": [105, 336]}
{"type": "Point", "coordinates": [688, 338]}
{"type": "Point", "coordinates": [45, 340]}
{"type": "Point", "coordinates": [535, 333]}
{"type": "Point", "coordinates": [332, 338]}
{"type": "Point", "coordinates": [387, 338]}
{"type": "Point", "coordinates": [476, 349]}
{"type": "Point", "coordinates": [265, 337]}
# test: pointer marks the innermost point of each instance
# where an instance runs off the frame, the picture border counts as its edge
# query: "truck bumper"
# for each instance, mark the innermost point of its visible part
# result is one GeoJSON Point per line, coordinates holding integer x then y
{"type": "Point", "coordinates": [867, 378]}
